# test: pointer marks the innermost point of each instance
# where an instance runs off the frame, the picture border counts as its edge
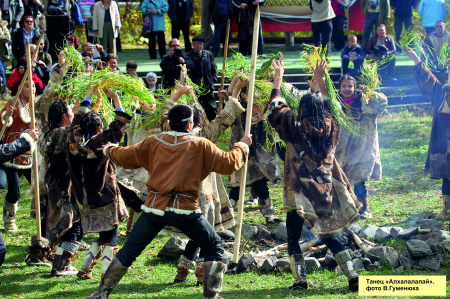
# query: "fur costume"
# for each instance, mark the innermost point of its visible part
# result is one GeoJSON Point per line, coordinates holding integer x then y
{"type": "Point", "coordinates": [359, 156]}
{"type": "Point", "coordinates": [94, 177]}
{"type": "Point", "coordinates": [314, 184]}
{"type": "Point", "coordinates": [438, 160]}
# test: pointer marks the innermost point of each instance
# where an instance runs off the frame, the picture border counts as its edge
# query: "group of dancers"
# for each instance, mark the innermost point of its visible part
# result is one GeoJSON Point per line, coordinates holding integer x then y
{"type": "Point", "coordinates": [175, 172]}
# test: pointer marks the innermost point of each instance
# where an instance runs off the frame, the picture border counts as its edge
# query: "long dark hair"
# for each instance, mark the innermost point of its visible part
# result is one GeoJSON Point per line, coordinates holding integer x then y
{"type": "Point", "coordinates": [312, 113]}
{"type": "Point", "coordinates": [55, 115]}
{"type": "Point", "coordinates": [89, 124]}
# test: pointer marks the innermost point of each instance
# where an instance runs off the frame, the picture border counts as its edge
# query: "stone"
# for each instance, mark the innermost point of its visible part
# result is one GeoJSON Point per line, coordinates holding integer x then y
{"type": "Point", "coordinates": [383, 233]}
{"type": "Point", "coordinates": [442, 235]}
{"type": "Point", "coordinates": [358, 264]}
{"type": "Point", "coordinates": [432, 224]}
{"type": "Point", "coordinates": [173, 249]}
{"type": "Point", "coordinates": [405, 260]}
{"type": "Point", "coordinates": [418, 248]}
{"type": "Point", "coordinates": [424, 237]}
{"type": "Point", "coordinates": [394, 231]}
{"type": "Point", "coordinates": [445, 245]}
{"type": "Point", "coordinates": [366, 261]}
{"type": "Point", "coordinates": [369, 231]}
{"type": "Point", "coordinates": [385, 255]}
{"type": "Point", "coordinates": [268, 265]}
{"type": "Point", "coordinates": [407, 234]}
{"type": "Point", "coordinates": [284, 265]}
{"type": "Point", "coordinates": [328, 261]}
{"type": "Point", "coordinates": [377, 263]}
{"type": "Point", "coordinates": [356, 229]}
{"type": "Point", "coordinates": [312, 264]}
{"type": "Point", "coordinates": [357, 254]}
{"type": "Point", "coordinates": [249, 232]}
{"type": "Point", "coordinates": [280, 233]}
{"type": "Point", "coordinates": [228, 257]}
{"type": "Point", "coordinates": [246, 263]}
{"type": "Point", "coordinates": [371, 267]}
{"type": "Point", "coordinates": [430, 264]}
{"type": "Point", "coordinates": [263, 233]}
{"type": "Point", "coordinates": [399, 269]}
{"type": "Point", "coordinates": [434, 245]}
{"type": "Point", "coordinates": [226, 234]}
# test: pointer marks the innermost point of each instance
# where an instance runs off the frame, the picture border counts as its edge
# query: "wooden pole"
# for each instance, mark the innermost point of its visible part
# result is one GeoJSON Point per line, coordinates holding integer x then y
{"type": "Point", "coordinates": [33, 126]}
{"type": "Point", "coordinates": [19, 91]}
{"type": "Point", "coordinates": [251, 90]}
{"type": "Point", "coordinates": [225, 54]}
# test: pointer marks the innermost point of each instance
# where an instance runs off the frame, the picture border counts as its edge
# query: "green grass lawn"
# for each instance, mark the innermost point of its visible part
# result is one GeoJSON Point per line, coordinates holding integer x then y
{"type": "Point", "coordinates": [404, 191]}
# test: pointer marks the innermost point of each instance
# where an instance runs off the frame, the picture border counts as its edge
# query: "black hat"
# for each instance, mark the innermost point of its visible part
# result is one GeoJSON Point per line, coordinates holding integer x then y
{"type": "Point", "coordinates": [198, 38]}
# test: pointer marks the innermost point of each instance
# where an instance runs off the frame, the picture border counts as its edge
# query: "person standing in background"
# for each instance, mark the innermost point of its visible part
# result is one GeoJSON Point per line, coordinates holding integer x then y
{"type": "Point", "coordinates": [403, 15]}
{"type": "Point", "coordinates": [33, 8]}
{"type": "Point", "coordinates": [156, 9]}
{"type": "Point", "coordinates": [431, 11]}
{"type": "Point", "coordinates": [321, 23]}
{"type": "Point", "coordinates": [377, 12]}
{"type": "Point", "coordinates": [12, 11]}
{"type": "Point", "coordinates": [338, 36]}
{"type": "Point", "coordinates": [106, 23]}
{"type": "Point", "coordinates": [180, 13]}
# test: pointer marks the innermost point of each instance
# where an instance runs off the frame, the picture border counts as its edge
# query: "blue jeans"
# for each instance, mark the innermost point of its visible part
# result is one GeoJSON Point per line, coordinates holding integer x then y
{"type": "Point", "coordinates": [398, 26]}
{"type": "Point", "coordinates": [322, 34]}
{"type": "Point", "coordinates": [446, 186]}
{"type": "Point", "coordinates": [2, 250]}
{"type": "Point", "coordinates": [194, 226]}
{"type": "Point", "coordinates": [357, 63]}
{"type": "Point", "coordinates": [219, 30]}
{"type": "Point", "coordinates": [2, 177]}
{"type": "Point", "coordinates": [13, 175]}
{"type": "Point", "coordinates": [360, 190]}
{"type": "Point", "coordinates": [5, 65]}
{"type": "Point", "coordinates": [370, 22]}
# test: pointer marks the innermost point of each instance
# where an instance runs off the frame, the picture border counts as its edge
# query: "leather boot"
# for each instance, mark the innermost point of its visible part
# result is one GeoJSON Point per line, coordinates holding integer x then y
{"type": "Point", "coordinates": [110, 279]}
{"type": "Point", "coordinates": [364, 213]}
{"type": "Point", "coordinates": [344, 260]}
{"type": "Point", "coordinates": [298, 269]}
{"type": "Point", "coordinates": [91, 259]}
{"type": "Point", "coordinates": [266, 207]}
{"type": "Point", "coordinates": [185, 267]}
{"type": "Point", "coordinates": [9, 217]}
{"type": "Point", "coordinates": [199, 271]}
{"type": "Point", "coordinates": [61, 263]}
{"type": "Point", "coordinates": [445, 213]}
{"type": "Point", "coordinates": [213, 278]}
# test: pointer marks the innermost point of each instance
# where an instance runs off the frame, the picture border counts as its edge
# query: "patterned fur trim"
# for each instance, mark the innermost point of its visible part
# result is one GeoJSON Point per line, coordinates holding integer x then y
{"type": "Point", "coordinates": [176, 211]}
{"type": "Point", "coordinates": [272, 105]}
{"type": "Point", "coordinates": [244, 145]}
{"type": "Point", "coordinates": [175, 133]}
{"type": "Point", "coordinates": [30, 141]}
{"type": "Point", "coordinates": [12, 165]}
{"type": "Point", "coordinates": [26, 119]}
{"type": "Point", "coordinates": [446, 88]}
{"type": "Point", "coordinates": [10, 120]}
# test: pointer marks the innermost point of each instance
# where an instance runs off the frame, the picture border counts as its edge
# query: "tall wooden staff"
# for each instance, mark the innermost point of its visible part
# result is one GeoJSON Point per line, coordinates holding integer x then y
{"type": "Point", "coordinates": [19, 91]}
{"type": "Point", "coordinates": [251, 89]}
{"type": "Point", "coordinates": [225, 54]}
{"type": "Point", "coordinates": [33, 126]}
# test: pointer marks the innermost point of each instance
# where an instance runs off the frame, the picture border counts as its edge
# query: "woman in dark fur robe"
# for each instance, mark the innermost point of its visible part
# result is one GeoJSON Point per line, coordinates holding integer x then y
{"type": "Point", "coordinates": [94, 182]}
{"type": "Point", "coordinates": [62, 222]}
{"type": "Point", "coordinates": [315, 187]}
{"type": "Point", "coordinates": [438, 160]}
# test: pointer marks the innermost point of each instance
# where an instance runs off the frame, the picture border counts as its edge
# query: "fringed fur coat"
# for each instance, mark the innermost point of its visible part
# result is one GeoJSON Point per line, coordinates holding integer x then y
{"type": "Point", "coordinates": [358, 153]}
{"type": "Point", "coordinates": [314, 184]}
{"type": "Point", "coordinates": [438, 160]}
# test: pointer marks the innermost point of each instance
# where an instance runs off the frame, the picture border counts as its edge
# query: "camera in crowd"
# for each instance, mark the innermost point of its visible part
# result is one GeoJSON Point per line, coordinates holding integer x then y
{"type": "Point", "coordinates": [177, 52]}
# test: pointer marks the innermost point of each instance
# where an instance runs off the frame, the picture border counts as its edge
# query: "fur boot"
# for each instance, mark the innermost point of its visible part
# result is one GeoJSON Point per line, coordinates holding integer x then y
{"type": "Point", "coordinates": [9, 217]}
{"type": "Point", "coordinates": [364, 213]}
{"type": "Point", "coordinates": [107, 256]}
{"type": "Point", "coordinates": [199, 271]}
{"type": "Point", "coordinates": [38, 253]}
{"type": "Point", "coordinates": [61, 264]}
{"type": "Point", "coordinates": [110, 279]}
{"type": "Point", "coordinates": [344, 260]}
{"type": "Point", "coordinates": [213, 278]}
{"type": "Point", "coordinates": [298, 269]}
{"type": "Point", "coordinates": [266, 207]}
{"type": "Point", "coordinates": [91, 259]}
{"type": "Point", "coordinates": [445, 213]}
{"type": "Point", "coordinates": [185, 267]}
